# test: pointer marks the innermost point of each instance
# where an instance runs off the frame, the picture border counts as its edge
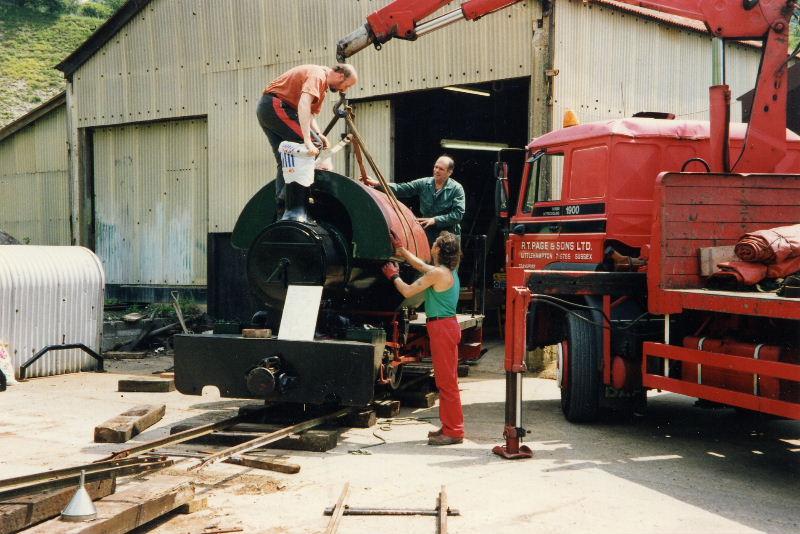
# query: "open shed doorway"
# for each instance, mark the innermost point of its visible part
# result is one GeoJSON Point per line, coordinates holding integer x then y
{"type": "Point", "coordinates": [490, 115]}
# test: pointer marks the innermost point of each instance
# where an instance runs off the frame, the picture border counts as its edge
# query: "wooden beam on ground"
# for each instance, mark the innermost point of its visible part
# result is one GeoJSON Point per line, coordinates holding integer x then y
{"type": "Point", "coordinates": [441, 520]}
{"type": "Point", "coordinates": [193, 506]}
{"type": "Point", "coordinates": [361, 419]}
{"type": "Point", "coordinates": [23, 512]}
{"type": "Point", "coordinates": [263, 463]}
{"type": "Point", "coordinates": [387, 408]}
{"type": "Point", "coordinates": [123, 427]}
{"type": "Point", "coordinates": [417, 399]}
{"type": "Point", "coordinates": [128, 509]}
{"type": "Point", "coordinates": [146, 386]}
{"type": "Point", "coordinates": [338, 510]}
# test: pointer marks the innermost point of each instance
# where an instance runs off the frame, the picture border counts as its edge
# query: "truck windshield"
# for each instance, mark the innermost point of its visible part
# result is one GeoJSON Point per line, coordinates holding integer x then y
{"type": "Point", "coordinates": [544, 184]}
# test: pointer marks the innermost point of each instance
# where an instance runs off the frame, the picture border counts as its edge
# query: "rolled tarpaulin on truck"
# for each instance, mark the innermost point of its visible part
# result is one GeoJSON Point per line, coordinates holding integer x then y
{"type": "Point", "coordinates": [769, 246]}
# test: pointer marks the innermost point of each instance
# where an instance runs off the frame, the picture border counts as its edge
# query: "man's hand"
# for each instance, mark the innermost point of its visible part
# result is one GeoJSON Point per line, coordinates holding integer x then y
{"type": "Point", "coordinates": [312, 150]}
{"type": "Point", "coordinates": [426, 222]}
{"type": "Point", "coordinates": [372, 182]}
{"type": "Point", "coordinates": [391, 270]}
{"type": "Point", "coordinates": [325, 143]}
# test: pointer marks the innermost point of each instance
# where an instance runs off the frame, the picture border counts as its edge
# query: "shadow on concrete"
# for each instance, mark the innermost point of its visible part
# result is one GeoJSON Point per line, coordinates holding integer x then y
{"type": "Point", "coordinates": [743, 468]}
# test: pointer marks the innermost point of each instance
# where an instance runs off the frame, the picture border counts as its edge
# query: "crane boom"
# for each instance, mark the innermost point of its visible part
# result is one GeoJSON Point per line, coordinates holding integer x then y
{"type": "Point", "coordinates": [765, 20]}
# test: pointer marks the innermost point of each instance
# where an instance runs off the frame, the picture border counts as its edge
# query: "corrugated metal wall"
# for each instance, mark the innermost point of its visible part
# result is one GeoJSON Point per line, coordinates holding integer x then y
{"type": "Point", "coordinates": [34, 187]}
{"type": "Point", "coordinates": [188, 58]}
{"type": "Point", "coordinates": [374, 122]}
{"type": "Point", "coordinates": [151, 202]}
{"type": "Point", "coordinates": [196, 57]}
{"type": "Point", "coordinates": [51, 295]}
{"type": "Point", "coordinates": [614, 64]}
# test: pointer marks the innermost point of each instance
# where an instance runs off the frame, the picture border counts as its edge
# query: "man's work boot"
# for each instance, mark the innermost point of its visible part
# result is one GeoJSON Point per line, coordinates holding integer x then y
{"type": "Point", "coordinates": [434, 433]}
{"type": "Point", "coordinates": [443, 439]}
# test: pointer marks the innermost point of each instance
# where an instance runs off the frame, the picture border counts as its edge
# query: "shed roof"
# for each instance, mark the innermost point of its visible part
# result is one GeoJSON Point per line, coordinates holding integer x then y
{"type": "Point", "coordinates": [33, 115]}
{"type": "Point", "coordinates": [674, 20]}
{"type": "Point", "coordinates": [101, 36]}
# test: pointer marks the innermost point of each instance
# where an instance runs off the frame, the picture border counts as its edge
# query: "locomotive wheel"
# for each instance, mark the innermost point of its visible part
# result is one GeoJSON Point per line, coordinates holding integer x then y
{"type": "Point", "coordinates": [579, 362]}
{"type": "Point", "coordinates": [395, 376]}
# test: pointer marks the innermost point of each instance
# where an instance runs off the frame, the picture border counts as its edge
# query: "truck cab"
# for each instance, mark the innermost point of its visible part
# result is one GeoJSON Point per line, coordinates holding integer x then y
{"type": "Point", "coordinates": [589, 187]}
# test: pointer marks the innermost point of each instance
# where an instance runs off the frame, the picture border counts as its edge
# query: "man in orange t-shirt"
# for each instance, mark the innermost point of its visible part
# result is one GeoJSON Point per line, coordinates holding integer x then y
{"type": "Point", "coordinates": [290, 104]}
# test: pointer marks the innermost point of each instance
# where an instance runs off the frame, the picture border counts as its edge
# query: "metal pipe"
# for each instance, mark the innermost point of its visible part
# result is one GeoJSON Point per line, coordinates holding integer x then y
{"type": "Point", "coordinates": [439, 22]}
{"type": "Point", "coordinates": [24, 367]}
{"type": "Point", "coordinates": [482, 240]}
{"type": "Point", "coordinates": [354, 42]}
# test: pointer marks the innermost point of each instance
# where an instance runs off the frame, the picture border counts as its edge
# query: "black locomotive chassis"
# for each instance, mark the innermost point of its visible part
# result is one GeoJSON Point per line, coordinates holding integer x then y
{"type": "Point", "coordinates": [328, 371]}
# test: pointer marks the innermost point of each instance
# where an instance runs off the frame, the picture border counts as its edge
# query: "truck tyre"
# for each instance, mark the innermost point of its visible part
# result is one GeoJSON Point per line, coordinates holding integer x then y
{"type": "Point", "coordinates": [579, 370]}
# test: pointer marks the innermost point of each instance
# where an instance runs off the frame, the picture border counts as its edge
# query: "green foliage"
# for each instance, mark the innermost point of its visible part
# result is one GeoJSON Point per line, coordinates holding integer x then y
{"type": "Point", "coordinates": [794, 36]}
{"type": "Point", "coordinates": [34, 37]}
{"type": "Point", "coordinates": [96, 10]}
{"type": "Point", "coordinates": [45, 6]}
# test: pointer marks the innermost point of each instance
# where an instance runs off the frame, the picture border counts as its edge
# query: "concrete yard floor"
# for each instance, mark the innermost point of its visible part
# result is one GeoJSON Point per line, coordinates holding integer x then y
{"type": "Point", "coordinates": [678, 469]}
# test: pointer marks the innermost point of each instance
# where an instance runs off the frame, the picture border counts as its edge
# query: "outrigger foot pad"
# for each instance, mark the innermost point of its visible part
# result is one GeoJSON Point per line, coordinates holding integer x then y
{"type": "Point", "coordinates": [523, 452]}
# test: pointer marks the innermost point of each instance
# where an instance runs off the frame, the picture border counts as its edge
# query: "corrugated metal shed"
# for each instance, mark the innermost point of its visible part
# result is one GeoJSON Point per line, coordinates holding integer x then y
{"type": "Point", "coordinates": [49, 296]}
{"type": "Point", "coordinates": [374, 122]}
{"type": "Point", "coordinates": [158, 61]}
{"type": "Point", "coordinates": [182, 58]}
{"type": "Point", "coordinates": [34, 186]}
{"type": "Point", "coordinates": [613, 63]}
{"type": "Point", "coordinates": [151, 216]}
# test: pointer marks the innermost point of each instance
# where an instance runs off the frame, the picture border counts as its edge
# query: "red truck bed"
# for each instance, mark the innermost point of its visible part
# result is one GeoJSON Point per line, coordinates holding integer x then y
{"type": "Point", "coordinates": [707, 210]}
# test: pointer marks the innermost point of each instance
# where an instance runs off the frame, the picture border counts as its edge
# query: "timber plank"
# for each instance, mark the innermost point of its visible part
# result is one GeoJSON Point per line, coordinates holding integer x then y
{"type": "Point", "coordinates": [146, 386]}
{"type": "Point", "coordinates": [126, 510]}
{"type": "Point", "coordinates": [387, 408]}
{"type": "Point", "coordinates": [24, 512]}
{"type": "Point", "coordinates": [417, 399]}
{"type": "Point", "coordinates": [123, 427]}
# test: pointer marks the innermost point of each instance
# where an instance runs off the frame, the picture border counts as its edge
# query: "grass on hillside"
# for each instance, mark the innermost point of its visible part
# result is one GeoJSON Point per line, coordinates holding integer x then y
{"type": "Point", "coordinates": [31, 44]}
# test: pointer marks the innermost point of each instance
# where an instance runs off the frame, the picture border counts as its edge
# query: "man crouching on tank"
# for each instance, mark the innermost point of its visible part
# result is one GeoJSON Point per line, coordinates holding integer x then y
{"type": "Point", "coordinates": [441, 286]}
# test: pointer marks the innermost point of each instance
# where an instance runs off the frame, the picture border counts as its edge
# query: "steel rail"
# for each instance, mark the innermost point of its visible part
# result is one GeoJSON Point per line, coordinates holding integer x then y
{"type": "Point", "coordinates": [392, 511]}
{"type": "Point", "coordinates": [74, 471]}
{"type": "Point", "coordinates": [269, 438]}
{"type": "Point", "coordinates": [178, 437]}
{"type": "Point", "coordinates": [61, 478]}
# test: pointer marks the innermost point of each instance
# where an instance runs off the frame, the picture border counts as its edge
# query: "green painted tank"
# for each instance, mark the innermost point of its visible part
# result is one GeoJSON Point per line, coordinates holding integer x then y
{"type": "Point", "coordinates": [342, 245]}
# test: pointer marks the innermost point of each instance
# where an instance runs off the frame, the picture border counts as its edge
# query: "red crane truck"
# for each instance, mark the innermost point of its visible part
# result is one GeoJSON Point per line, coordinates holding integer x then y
{"type": "Point", "coordinates": [605, 264]}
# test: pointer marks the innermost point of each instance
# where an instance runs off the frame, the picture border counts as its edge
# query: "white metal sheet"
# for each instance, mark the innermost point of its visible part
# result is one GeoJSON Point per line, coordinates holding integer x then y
{"type": "Point", "coordinates": [50, 296]}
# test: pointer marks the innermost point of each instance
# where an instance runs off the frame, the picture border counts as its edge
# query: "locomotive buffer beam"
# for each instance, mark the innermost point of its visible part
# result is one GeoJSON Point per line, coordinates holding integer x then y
{"type": "Point", "coordinates": [278, 370]}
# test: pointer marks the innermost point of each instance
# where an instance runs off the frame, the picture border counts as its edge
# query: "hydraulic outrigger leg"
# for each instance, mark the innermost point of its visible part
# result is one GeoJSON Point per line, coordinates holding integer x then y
{"type": "Point", "coordinates": [519, 299]}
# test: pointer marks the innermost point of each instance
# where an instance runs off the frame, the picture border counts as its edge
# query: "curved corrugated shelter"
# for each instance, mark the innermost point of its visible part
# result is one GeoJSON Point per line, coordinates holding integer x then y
{"type": "Point", "coordinates": [49, 296]}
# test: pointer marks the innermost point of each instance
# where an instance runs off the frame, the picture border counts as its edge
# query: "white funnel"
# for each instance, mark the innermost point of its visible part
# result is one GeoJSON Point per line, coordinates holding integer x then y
{"type": "Point", "coordinates": [80, 507]}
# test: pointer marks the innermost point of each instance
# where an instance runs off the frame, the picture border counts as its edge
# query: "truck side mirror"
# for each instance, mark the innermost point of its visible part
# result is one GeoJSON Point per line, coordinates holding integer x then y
{"type": "Point", "coordinates": [501, 192]}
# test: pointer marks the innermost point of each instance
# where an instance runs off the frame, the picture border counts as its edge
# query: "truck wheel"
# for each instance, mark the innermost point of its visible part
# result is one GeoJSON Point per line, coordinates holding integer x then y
{"type": "Point", "coordinates": [579, 370]}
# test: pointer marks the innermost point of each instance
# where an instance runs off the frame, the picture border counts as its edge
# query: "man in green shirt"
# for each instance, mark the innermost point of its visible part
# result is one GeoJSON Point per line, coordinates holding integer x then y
{"type": "Point", "coordinates": [441, 199]}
